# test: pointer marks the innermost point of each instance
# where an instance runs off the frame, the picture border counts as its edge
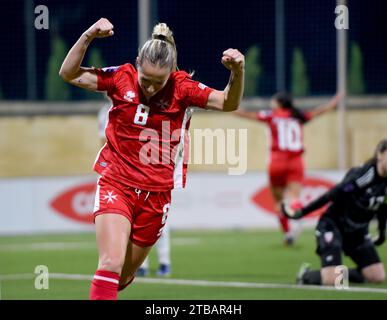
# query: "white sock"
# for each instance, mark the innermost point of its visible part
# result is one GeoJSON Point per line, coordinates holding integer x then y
{"type": "Point", "coordinates": [296, 227]}
{"type": "Point", "coordinates": [163, 247]}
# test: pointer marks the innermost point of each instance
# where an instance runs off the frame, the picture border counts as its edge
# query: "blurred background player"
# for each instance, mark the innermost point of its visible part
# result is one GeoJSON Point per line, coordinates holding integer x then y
{"type": "Point", "coordinates": [286, 165]}
{"type": "Point", "coordinates": [163, 244]}
{"type": "Point", "coordinates": [344, 226]}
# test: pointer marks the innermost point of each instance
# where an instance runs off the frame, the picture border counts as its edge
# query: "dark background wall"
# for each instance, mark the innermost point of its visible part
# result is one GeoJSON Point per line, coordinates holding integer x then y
{"type": "Point", "coordinates": [203, 29]}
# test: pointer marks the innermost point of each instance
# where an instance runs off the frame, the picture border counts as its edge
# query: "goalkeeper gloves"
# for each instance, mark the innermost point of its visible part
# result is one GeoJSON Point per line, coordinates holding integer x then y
{"type": "Point", "coordinates": [380, 238]}
{"type": "Point", "coordinates": [292, 210]}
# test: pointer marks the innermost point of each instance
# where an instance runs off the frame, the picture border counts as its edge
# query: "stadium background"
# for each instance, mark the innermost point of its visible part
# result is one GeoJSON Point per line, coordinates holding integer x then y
{"type": "Point", "coordinates": [49, 135]}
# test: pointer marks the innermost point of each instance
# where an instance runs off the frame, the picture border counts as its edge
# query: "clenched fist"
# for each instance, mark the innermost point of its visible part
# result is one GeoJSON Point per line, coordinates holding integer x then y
{"type": "Point", "coordinates": [101, 29]}
{"type": "Point", "coordinates": [233, 60]}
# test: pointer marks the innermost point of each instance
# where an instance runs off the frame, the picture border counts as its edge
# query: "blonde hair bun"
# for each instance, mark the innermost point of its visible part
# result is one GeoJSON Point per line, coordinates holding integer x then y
{"type": "Point", "coordinates": [161, 49]}
{"type": "Point", "coordinates": [162, 32]}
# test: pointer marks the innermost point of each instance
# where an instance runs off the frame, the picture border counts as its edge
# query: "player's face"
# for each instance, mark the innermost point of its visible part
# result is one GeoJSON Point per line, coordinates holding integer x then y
{"type": "Point", "coordinates": [152, 78]}
{"type": "Point", "coordinates": [382, 163]}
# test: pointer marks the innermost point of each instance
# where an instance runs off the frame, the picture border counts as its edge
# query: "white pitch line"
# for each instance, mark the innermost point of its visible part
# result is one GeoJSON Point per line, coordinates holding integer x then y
{"type": "Point", "coordinates": [203, 283]}
{"type": "Point", "coordinates": [256, 285]}
{"type": "Point", "coordinates": [41, 246]}
{"type": "Point", "coordinates": [184, 241]}
{"type": "Point", "coordinates": [47, 246]}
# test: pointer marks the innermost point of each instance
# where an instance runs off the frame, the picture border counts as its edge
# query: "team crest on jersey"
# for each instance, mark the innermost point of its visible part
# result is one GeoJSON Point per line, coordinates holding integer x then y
{"type": "Point", "coordinates": [349, 187]}
{"type": "Point", "coordinates": [162, 104]}
{"type": "Point", "coordinates": [129, 95]}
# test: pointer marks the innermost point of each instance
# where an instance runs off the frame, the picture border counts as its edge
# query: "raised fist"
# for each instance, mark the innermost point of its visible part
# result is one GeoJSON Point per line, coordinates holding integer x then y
{"type": "Point", "coordinates": [101, 29]}
{"type": "Point", "coordinates": [233, 60]}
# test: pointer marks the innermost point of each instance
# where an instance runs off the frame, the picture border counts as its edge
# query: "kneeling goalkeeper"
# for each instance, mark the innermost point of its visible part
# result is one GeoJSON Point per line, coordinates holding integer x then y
{"type": "Point", "coordinates": [343, 228]}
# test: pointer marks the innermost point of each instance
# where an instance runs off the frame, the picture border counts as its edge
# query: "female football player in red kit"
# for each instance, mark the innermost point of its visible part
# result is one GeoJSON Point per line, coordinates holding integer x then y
{"type": "Point", "coordinates": [286, 165]}
{"type": "Point", "coordinates": [142, 160]}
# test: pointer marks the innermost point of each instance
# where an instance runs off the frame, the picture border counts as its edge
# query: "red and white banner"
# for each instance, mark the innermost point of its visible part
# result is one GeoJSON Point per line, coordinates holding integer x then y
{"type": "Point", "coordinates": [210, 201]}
{"type": "Point", "coordinates": [76, 203]}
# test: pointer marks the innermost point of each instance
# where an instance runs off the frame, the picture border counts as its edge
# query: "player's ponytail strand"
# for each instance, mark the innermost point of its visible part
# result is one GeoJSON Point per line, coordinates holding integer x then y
{"type": "Point", "coordinates": [286, 102]}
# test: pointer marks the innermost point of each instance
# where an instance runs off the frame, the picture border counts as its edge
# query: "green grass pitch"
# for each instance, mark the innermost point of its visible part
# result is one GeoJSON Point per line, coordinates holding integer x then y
{"type": "Point", "coordinates": [248, 256]}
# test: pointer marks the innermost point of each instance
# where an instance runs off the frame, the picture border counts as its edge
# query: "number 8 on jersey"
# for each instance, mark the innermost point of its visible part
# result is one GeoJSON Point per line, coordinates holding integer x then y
{"type": "Point", "coordinates": [141, 115]}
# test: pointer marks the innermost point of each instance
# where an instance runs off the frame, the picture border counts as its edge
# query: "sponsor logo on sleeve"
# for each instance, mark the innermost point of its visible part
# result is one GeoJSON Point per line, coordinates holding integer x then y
{"type": "Point", "coordinates": [202, 86]}
{"type": "Point", "coordinates": [110, 69]}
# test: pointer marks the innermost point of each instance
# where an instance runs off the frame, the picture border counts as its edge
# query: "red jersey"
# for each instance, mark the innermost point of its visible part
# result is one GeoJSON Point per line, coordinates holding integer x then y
{"type": "Point", "coordinates": [146, 144]}
{"type": "Point", "coordinates": [286, 132]}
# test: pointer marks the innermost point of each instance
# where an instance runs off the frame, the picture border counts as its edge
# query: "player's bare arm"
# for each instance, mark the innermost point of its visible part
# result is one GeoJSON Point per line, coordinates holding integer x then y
{"type": "Point", "coordinates": [327, 107]}
{"type": "Point", "coordinates": [230, 98]}
{"type": "Point", "coordinates": [252, 115]}
{"type": "Point", "coordinates": [71, 70]}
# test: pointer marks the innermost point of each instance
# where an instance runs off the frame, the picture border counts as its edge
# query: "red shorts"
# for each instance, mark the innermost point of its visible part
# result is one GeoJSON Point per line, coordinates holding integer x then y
{"type": "Point", "coordinates": [284, 169]}
{"type": "Point", "coordinates": [146, 211]}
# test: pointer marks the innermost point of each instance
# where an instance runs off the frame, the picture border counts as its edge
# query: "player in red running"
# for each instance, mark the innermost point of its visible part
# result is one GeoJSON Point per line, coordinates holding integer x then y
{"type": "Point", "coordinates": [286, 165]}
{"type": "Point", "coordinates": [143, 158]}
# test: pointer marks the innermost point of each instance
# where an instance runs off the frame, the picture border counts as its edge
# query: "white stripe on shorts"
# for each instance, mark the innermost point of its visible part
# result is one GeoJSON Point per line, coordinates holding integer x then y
{"type": "Point", "coordinates": [96, 201]}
